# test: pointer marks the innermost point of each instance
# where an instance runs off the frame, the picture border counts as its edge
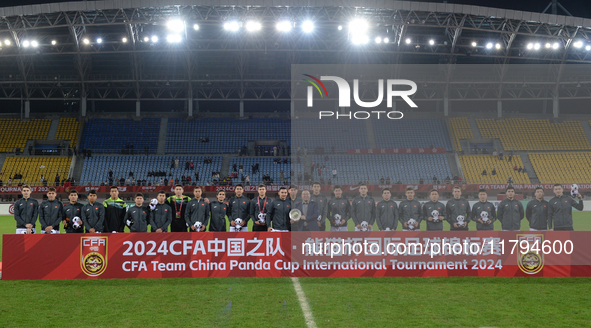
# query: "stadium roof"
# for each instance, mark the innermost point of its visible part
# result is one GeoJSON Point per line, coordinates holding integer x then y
{"type": "Point", "coordinates": [77, 49]}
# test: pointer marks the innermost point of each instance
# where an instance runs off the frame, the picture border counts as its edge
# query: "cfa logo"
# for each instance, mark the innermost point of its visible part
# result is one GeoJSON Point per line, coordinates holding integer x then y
{"type": "Point", "coordinates": [345, 96]}
{"type": "Point", "coordinates": [93, 255]}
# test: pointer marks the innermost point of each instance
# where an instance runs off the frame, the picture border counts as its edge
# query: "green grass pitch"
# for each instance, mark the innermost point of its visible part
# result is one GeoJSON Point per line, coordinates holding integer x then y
{"type": "Point", "coordinates": [272, 302]}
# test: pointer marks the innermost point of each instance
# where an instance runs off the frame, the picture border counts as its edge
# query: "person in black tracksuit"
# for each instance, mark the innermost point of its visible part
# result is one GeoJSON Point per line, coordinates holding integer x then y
{"type": "Point", "coordinates": [50, 212]}
{"type": "Point", "coordinates": [322, 202]}
{"type": "Point", "coordinates": [197, 211]}
{"type": "Point", "coordinates": [339, 208]}
{"type": "Point", "coordinates": [431, 207]}
{"type": "Point", "coordinates": [93, 214]}
{"type": "Point", "coordinates": [455, 207]}
{"type": "Point", "coordinates": [408, 209]}
{"type": "Point", "coordinates": [510, 211]}
{"type": "Point", "coordinates": [387, 212]}
{"type": "Point", "coordinates": [218, 210]}
{"type": "Point", "coordinates": [160, 214]}
{"type": "Point", "coordinates": [363, 209]}
{"type": "Point", "coordinates": [115, 209]}
{"type": "Point", "coordinates": [71, 210]}
{"type": "Point", "coordinates": [138, 215]}
{"type": "Point", "coordinates": [178, 203]}
{"type": "Point", "coordinates": [278, 212]}
{"type": "Point", "coordinates": [257, 206]}
{"type": "Point", "coordinates": [239, 207]}
{"type": "Point", "coordinates": [536, 211]}
{"type": "Point", "coordinates": [560, 212]}
{"type": "Point", "coordinates": [26, 211]}
{"type": "Point", "coordinates": [484, 206]}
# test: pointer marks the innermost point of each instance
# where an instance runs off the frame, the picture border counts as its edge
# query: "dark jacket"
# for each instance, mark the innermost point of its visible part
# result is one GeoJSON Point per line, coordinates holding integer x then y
{"type": "Point", "coordinates": [387, 215]}
{"type": "Point", "coordinates": [25, 212]}
{"type": "Point", "coordinates": [311, 217]}
{"type": "Point", "coordinates": [487, 207]}
{"type": "Point", "coordinates": [239, 207]}
{"type": "Point", "coordinates": [560, 212]}
{"type": "Point", "coordinates": [340, 207]}
{"type": "Point", "coordinates": [93, 216]}
{"type": "Point", "coordinates": [197, 210]}
{"type": "Point", "coordinates": [258, 205]}
{"type": "Point", "coordinates": [139, 216]}
{"type": "Point", "coordinates": [409, 209]}
{"type": "Point", "coordinates": [71, 211]}
{"type": "Point", "coordinates": [322, 202]}
{"type": "Point", "coordinates": [363, 209]}
{"type": "Point", "coordinates": [427, 211]}
{"type": "Point", "coordinates": [160, 217]}
{"type": "Point", "coordinates": [218, 216]}
{"type": "Point", "coordinates": [179, 205]}
{"type": "Point", "coordinates": [455, 208]}
{"type": "Point", "coordinates": [510, 213]}
{"type": "Point", "coordinates": [51, 214]}
{"type": "Point", "coordinates": [114, 214]}
{"type": "Point", "coordinates": [278, 214]}
{"type": "Point", "coordinates": [536, 212]}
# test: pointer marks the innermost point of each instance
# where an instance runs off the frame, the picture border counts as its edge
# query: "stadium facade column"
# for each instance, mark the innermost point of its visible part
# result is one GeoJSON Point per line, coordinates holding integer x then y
{"type": "Point", "coordinates": [27, 108]}
{"type": "Point", "coordinates": [292, 109]}
{"type": "Point", "coordinates": [137, 108]}
{"type": "Point", "coordinates": [83, 106]}
{"type": "Point", "coordinates": [445, 104]}
{"type": "Point", "coordinates": [499, 108]}
{"type": "Point", "coordinates": [190, 107]}
{"type": "Point", "coordinates": [241, 108]}
{"type": "Point", "coordinates": [555, 105]}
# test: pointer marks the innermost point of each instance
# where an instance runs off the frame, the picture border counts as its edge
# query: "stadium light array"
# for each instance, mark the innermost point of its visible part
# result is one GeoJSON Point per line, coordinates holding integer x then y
{"type": "Point", "coordinates": [124, 40]}
{"type": "Point", "coordinates": [474, 44]}
{"type": "Point", "coordinates": [174, 38]}
{"type": "Point", "coordinates": [34, 44]}
{"type": "Point", "coordinates": [407, 41]}
{"type": "Point", "coordinates": [530, 46]}
{"type": "Point", "coordinates": [146, 39]}
{"type": "Point", "coordinates": [154, 38]}
{"type": "Point", "coordinates": [53, 42]}
{"type": "Point", "coordinates": [26, 43]}
{"type": "Point", "coordinates": [358, 26]}
{"type": "Point", "coordinates": [340, 27]}
{"type": "Point", "coordinates": [431, 42]}
{"type": "Point", "coordinates": [231, 26]}
{"type": "Point", "coordinates": [498, 46]}
{"type": "Point", "coordinates": [588, 48]}
{"type": "Point", "coordinates": [99, 40]}
{"type": "Point", "coordinates": [175, 25]}
{"type": "Point", "coordinates": [358, 39]}
{"type": "Point", "coordinates": [253, 26]}
{"type": "Point", "coordinates": [489, 45]}
{"type": "Point", "coordinates": [555, 46]}
{"type": "Point", "coordinates": [283, 26]}
{"type": "Point", "coordinates": [7, 42]}
{"type": "Point", "coordinates": [378, 40]}
{"type": "Point", "coordinates": [578, 44]}
{"type": "Point", "coordinates": [196, 27]}
{"type": "Point", "coordinates": [386, 40]}
{"type": "Point", "coordinates": [86, 41]}
{"type": "Point", "coordinates": [307, 26]}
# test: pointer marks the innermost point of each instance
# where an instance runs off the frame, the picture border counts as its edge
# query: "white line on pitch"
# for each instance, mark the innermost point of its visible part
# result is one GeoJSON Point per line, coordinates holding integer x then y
{"type": "Point", "coordinates": [303, 303]}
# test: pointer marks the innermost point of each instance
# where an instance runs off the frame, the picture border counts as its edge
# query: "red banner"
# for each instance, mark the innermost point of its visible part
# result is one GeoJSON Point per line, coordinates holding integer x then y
{"type": "Point", "coordinates": [275, 188]}
{"type": "Point", "coordinates": [397, 151]}
{"type": "Point", "coordinates": [297, 254]}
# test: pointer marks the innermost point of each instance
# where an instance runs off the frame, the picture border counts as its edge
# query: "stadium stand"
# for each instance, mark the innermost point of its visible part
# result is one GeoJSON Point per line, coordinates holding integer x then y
{"type": "Point", "coordinates": [460, 129]}
{"type": "Point", "coordinates": [111, 135]}
{"type": "Point", "coordinates": [96, 168]}
{"type": "Point", "coordinates": [411, 133]}
{"type": "Point", "coordinates": [68, 129]}
{"type": "Point", "coordinates": [530, 135]}
{"type": "Point", "coordinates": [225, 135]}
{"type": "Point", "coordinates": [473, 165]}
{"type": "Point", "coordinates": [266, 167]}
{"type": "Point", "coordinates": [562, 167]}
{"type": "Point", "coordinates": [342, 134]}
{"type": "Point", "coordinates": [32, 168]}
{"type": "Point", "coordinates": [408, 168]}
{"type": "Point", "coordinates": [15, 132]}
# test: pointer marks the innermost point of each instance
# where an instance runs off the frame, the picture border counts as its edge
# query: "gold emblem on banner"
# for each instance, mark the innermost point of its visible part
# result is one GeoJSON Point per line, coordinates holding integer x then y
{"type": "Point", "coordinates": [93, 255]}
{"type": "Point", "coordinates": [532, 261]}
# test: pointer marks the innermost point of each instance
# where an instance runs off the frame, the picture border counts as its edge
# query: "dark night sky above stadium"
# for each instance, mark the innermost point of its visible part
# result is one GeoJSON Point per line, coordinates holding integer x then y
{"type": "Point", "coordinates": [579, 8]}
